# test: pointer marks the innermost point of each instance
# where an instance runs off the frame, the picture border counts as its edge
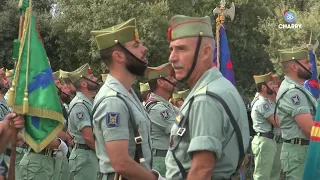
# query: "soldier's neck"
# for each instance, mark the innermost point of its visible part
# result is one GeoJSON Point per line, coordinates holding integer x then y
{"type": "Point", "coordinates": [264, 95]}
{"type": "Point", "coordinates": [295, 78]}
{"type": "Point", "coordinates": [162, 93]}
{"type": "Point", "coordinates": [1, 96]}
{"type": "Point", "coordinates": [124, 78]}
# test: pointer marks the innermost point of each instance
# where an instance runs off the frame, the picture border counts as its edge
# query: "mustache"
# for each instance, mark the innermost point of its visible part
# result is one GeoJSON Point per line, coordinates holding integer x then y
{"type": "Point", "coordinates": [177, 66]}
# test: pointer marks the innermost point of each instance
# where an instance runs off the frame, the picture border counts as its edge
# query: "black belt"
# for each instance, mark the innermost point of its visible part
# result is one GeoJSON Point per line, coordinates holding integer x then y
{"type": "Point", "coordinates": [266, 135]}
{"type": "Point", "coordinates": [46, 152]}
{"type": "Point", "coordinates": [115, 176]}
{"type": "Point", "coordinates": [298, 141]}
{"type": "Point", "coordinates": [82, 146]}
{"type": "Point", "coordinates": [161, 153]}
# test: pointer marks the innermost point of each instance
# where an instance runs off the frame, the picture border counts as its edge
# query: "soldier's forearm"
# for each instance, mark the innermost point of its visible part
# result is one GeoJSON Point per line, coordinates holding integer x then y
{"type": "Point", "coordinates": [5, 134]}
{"type": "Point", "coordinates": [130, 169]}
{"type": "Point", "coordinates": [54, 144]}
{"type": "Point", "coordinates": [62, 135]}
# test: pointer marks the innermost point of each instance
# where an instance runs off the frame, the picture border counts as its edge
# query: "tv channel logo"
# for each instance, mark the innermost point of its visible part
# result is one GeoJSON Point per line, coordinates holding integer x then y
{"type": "Point", "coordinates": [290, 15]}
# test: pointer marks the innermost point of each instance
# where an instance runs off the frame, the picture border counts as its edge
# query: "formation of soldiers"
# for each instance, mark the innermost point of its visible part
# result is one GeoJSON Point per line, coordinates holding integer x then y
{"type": "Point", "coordinates": [201, 133]}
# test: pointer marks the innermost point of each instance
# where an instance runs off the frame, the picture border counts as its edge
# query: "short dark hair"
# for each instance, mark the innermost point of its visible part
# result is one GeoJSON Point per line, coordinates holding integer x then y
{"type": "Point", "coordinates": [77, 84]}
{"type": "Point", "coordinates": [144, 95]}
{"type": "Point", "coordinates": [106, 54]}
{"type": "Point", "coordinates": [67, 80]}
{"type": "Point", "coordinates": [153, 84]}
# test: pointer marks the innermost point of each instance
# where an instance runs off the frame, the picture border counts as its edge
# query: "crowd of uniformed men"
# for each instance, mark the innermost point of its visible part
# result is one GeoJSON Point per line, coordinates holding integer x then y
{"type": "Point", "coordinates": [201, 133]}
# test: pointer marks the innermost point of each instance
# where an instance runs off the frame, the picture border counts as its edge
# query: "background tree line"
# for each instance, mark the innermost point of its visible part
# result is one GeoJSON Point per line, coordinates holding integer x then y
{"type": "Point", "coordinates": [253, 36]}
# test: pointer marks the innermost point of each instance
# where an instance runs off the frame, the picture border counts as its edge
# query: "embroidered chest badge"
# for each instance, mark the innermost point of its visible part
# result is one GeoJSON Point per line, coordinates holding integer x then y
{"type": "Point", "coordinates": [113, 119]}
{"type": "Point", "coordinates": [266, 106]}
{"type": "Point", "coordinates": [295, 100]}
{"type": "Point", "coordinates": [164, 115]}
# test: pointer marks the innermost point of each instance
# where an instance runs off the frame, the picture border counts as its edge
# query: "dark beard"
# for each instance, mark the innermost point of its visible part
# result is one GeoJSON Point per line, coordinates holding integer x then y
{"type": "Point", "coordinates": [65, 98]}
{"type": "Point", "coordinates": [94, 87]}
{"type": "Point", "coordinates": [135, 66]}
{"type": "Point", "coordinates": [303, 74]}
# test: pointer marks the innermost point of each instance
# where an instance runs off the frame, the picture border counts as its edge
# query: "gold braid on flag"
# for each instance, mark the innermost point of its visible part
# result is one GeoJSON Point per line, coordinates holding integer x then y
{"type": "Point", "coordinates": [25, 99]}
{"type": "Point", "coordinates": [218, 26]}
{"type": "Point", "coordinates": [26, 26]}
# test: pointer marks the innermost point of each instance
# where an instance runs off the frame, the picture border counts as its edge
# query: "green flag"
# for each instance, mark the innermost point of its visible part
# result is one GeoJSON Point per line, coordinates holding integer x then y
{"type": "Point", "coordinates": [23, 5]}
{"type": "Point", "coordinates": [33, 92]}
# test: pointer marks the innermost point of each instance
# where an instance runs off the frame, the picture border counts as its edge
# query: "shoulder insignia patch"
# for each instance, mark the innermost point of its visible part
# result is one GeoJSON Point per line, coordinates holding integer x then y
{"type": "Point", "coordinates": [266, 106]}
{"type": "Point", "coordinates": [113, 119]}
{"type": "Point", "coordinates": [164, 115]}
{"type": "Point", "coordinates": [80, 116]}
{"type": "Point", "coordinates": [295, 100]}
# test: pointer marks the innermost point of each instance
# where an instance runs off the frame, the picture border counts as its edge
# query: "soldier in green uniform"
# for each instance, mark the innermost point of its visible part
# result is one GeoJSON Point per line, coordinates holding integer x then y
{"type": "Point", "coordinates": [5, 135]}
{"type": "Point", "coordinates": [64, 75]}
{"type": "Point", "coordinates": [82, 161]}
{"type": "Point", "coordinates": [204, 143]}
{"type": "Point", "coordinates": [121, 125]}
{"type": "Point", "coordinates": [4, 110]}
{"type": "Point", "coordinates": [41, 166]}
{"type": "Point", "coordinates": [161, 112]}
{"type": "Point", "coordinates": [296, 109]}
{"type": "Point", "coordinates": [276, 168]}
{"type": "Point", "coordinates": [144, 92]}
{"type": "Point", "coordinates": [62, 170]}
{"type": "Point", "coordinates": [264, 146]}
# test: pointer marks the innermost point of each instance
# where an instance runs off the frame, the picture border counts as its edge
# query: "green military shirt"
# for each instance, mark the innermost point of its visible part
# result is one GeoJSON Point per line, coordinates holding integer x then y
{"type": "Point", "coordinates": [112, 122]}
{"type": "Point", "coordinates": [261, 110]}
{"type": "Point", "coordinates": [4, 110]}
{"type": "Point", "coordinates": [163, 116]}
{"type": "Point", "coordinates": [292, 103]}
{"type": "Point", "coordinates": [209, 127]}
{"type": "Point", "coordinates": [79, 116]}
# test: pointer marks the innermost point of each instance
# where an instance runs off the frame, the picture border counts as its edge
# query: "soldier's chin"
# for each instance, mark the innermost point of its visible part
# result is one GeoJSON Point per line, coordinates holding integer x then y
{"type": "Point", "coordinates": [179, 75]}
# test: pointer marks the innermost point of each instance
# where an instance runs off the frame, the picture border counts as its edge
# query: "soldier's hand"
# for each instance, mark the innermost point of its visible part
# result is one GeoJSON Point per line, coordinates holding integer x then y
{"type": "Point", "coordinates": [14, 120]}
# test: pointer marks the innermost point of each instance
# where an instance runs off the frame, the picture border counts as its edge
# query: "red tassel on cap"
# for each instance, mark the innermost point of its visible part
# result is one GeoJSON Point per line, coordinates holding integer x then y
{"type": "Point", "coordinates": [89, 71]}
{"type": "Point", "coordinates": [169, 34]}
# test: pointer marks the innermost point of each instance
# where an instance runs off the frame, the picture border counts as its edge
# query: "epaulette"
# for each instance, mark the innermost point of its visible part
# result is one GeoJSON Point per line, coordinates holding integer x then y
{"type": "Point", "coordinates": [202, 90]}
{"type": "Point", "coordinates": [80, 101]}
{"type": "Point", "coordinates": [292, 86]}
{"type": "Point", "coordinates": [111, 93]}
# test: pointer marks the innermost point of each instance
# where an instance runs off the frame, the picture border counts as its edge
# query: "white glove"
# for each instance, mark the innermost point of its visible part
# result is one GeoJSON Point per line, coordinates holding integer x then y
{"type": "Point", "coordinates": [158, 175]}
{"type": "Point", "coordinates": [63, 147]}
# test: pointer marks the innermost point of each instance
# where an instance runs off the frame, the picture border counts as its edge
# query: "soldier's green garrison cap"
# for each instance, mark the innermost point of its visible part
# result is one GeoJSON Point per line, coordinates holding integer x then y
{"type": "Point", "coordinates": [293, 54]}
{"type": "Point", "coordinates": [163, 70]}
{"type": "Point", "coordinates": [144, 87]}
{"type": "Point", "coordinates": [184, 26]}
{"type": "Point", "coordinates": [121, 33]}
{"type": "Point", "coordinates": [263, 78]}
{"type": "Point", "coordinates": [83, 71]}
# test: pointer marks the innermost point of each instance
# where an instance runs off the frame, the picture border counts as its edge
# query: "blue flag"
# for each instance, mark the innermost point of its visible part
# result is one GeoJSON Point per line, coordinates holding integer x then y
{"type": "Point", "coordinates": [224, 57]}
{"type": "Point", "coordinates": [312, 84]}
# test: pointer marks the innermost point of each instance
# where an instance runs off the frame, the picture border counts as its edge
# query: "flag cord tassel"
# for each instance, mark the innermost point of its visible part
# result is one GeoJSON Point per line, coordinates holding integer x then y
{"type": "Point", "coordinates": [218, 40]}
{"type": "Point", "coordinates": [25, 99]}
